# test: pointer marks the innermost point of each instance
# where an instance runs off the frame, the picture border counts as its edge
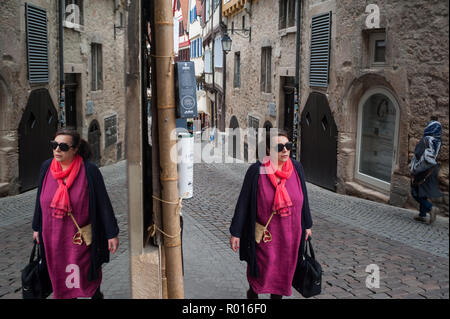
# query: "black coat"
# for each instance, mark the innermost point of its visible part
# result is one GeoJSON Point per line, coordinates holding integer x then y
{"type": "Point", "coordinates": [101, 214]}
{"type": "Point", "coordinates": [244, 219]}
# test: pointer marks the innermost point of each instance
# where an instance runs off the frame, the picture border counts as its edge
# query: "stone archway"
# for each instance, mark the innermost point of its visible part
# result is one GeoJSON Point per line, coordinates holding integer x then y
{"type": "Point", "coordinates": [348, 123]}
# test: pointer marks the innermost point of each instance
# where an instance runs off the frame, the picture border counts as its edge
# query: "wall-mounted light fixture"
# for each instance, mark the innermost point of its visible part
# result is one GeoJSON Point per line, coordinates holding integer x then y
{"type": "Point", "coordinates": [226, 40]}
{"type": "Point", "coordinates": [120, 27]}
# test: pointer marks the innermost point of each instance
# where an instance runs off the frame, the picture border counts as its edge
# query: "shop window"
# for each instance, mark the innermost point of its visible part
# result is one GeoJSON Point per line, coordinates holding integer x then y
{"type": "Point", "coordinates": [378, 121]}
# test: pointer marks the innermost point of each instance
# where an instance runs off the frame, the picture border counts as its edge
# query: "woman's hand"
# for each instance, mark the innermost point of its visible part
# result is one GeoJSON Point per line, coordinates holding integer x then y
{"type": "Point", "coordinates": [113, 244]}
{"type": "Point", "coordinates": [308, 233]}
{"type": "Point", "coordinates": [36, 236]}
{"type": "Point", "coordinates": [234, 243]}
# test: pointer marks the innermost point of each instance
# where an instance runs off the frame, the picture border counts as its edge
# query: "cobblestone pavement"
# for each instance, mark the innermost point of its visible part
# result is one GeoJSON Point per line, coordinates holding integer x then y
{"type": "Point", "coordinates": [348, 234]}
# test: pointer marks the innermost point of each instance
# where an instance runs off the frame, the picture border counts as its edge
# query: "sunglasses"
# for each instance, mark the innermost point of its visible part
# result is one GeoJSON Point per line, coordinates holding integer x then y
{"type": "Point", "coordinates": [280, 146]}
{"type": "Point", "coordinates": [64, 147]}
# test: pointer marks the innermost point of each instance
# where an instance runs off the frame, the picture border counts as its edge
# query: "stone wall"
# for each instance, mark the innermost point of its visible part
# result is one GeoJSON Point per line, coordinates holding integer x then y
{"type": "Point", "coordinates": [248, 99]}
{"type": "Point", "coordinates": [14, 85]}
{"type": "Point", "coordinates": [99, 19]}
{"type": "Point", "coordinates": [416, 73]}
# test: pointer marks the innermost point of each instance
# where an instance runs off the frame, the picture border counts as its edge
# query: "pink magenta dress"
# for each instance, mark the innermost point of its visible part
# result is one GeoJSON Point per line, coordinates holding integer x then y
{"type": "Point", "coordinates": [277, 259]}
{"type": "Point", "coordinates": [68, 264]}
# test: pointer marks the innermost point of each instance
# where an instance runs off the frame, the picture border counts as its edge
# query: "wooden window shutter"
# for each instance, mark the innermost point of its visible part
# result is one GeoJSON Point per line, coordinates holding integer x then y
{"type": "Point", "coordinates": [319, 62]}
{"type": "Point", "coordinates": [37, 43]}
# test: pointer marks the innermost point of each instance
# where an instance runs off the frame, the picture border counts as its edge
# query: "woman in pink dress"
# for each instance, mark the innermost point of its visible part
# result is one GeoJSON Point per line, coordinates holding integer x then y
{"type": "Point", "coordinates": [274, 187]}
{"type": "Point", "coordinates": [71, 192]}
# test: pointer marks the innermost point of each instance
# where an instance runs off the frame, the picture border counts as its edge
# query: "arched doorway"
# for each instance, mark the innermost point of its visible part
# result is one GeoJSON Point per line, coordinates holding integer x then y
{"type": "Point", "coordinates": [94, 134]}
{"type": "Point", "coordinates": [234, 144]}
{"type": "Point", "coordinates": [37, 127]}
{"type": "Point", "coordinates": [318, 153]}
{"type": "Point", "coordinates": [377, 136]}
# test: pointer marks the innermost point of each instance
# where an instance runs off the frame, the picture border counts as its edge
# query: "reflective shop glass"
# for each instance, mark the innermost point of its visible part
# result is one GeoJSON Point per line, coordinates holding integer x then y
{"type": "Point", "coordinates": [377, 139]}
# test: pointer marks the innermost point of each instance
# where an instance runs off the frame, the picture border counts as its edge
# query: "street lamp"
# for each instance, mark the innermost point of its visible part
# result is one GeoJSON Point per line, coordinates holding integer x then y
{"type": "Point", "coordinates": [226, 43]}
{"type": "Point", "coordinates": [226, 40]}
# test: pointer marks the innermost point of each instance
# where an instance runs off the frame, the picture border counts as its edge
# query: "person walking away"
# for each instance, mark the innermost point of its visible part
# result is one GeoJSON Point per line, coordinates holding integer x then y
{"type": "Point", "coordinates": [424, 171]}
{"type": "Point", "coordinates": [71, 190]}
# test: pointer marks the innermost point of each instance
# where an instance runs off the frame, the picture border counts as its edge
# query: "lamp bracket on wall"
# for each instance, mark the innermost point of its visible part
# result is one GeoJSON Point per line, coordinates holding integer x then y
{"type": "Point", "coordinates": [120, 27]}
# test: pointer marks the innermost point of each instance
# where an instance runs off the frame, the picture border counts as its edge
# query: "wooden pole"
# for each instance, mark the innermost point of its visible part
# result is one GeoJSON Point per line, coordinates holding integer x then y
{"type": "Point", "coordinates": [166, 125]}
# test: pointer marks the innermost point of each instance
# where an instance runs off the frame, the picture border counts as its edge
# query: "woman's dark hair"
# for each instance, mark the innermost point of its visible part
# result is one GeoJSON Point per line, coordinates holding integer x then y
{"type": "Point", "coordinates": [280, 132]}
{"type": "Point", "coordinates": [84, 150]}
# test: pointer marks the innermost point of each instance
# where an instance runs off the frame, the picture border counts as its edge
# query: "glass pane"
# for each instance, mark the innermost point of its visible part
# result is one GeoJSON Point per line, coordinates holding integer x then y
{"type": "Point", "coordinates": [377, 139]}
{"type": "Point", "coordinates": [99, 67]}
{"type": "Point", "coordinates": [94, 68]}
{"type": "Point", "coordinates": [291, 14]}
{"type": "Point", "coordinates": [282, 15]}
{"type": "Point", "coordinates": [380, 49]}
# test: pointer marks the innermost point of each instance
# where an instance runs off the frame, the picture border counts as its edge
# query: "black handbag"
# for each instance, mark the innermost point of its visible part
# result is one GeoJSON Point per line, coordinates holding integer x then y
{"type": "Point", "coordinates": [308, 274]}
{"type": "Point", "coordinates": [36, 282]}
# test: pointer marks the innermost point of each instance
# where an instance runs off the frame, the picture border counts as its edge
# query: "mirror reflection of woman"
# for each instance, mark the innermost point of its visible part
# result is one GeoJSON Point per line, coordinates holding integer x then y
{"type": "Point", "coordinates": [275, 185]}
{"type": "Point", "coordinates": [70, 184]}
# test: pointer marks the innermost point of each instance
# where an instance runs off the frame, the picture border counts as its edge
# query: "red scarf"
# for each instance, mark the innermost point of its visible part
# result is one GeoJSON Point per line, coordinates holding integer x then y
{"type": "Point", "coordinates": [61, 202]}
{"type": "Point", "coordinates": [282, 201]}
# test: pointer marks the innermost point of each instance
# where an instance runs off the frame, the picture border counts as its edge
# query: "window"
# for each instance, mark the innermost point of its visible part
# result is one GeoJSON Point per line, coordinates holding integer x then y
{"type": "Point", "coordinates": [193, 14]}
{"type": "Point", "coordinates": [378, 121]}
{"type": "Point", "coordinates": [208, 64]}
{"type": "Point", "coordinates": [320, 50]}
{"type": "Point", "coordinates": [218, 52]}
{"type": "Point", "coordinates": [110, 130]}
{"type": "Point", "coordinates": [216, 4]}
{"type": "Point", "coordinates": [37, 46]}
{"type": "Point", "coordinates": [266, 69]}
{"type": "Point", "coordinates": [286, 14]}
{"type": "Point", "coordinates": [377, 47]}
{"type": "Point", "coordinates": [183, 55]}
{"type": "Point", "coordinates": [237, 70]}
{"type": "Point", "coordinates": [380, 51]}
{"type": "Point", "coordinates": [96, 67]}
{"type": "Point", "coordinates": [253, 122]}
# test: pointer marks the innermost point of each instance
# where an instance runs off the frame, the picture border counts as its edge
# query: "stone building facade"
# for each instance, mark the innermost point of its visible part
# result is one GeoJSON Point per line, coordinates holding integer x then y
{"type": "Point", "coordinates": [20, 96]}
{"type": "Point", "coordinates": [388, 73]}
{"type": "Point", "coordinates": [30, 108]}
{"type": "Point", "coordinates": [260, 68]}
{"type": "Point", "coordinates": [95, 77]}
{"type": "Point", "coordinates": [214, 63]}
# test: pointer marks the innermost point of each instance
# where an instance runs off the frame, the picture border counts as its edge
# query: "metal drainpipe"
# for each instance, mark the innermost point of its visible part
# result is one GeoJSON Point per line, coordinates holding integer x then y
{"type": "Point", "coordinates": [297, 77]}
{"type": "Point", "coordinates": [61, 64]}
{"type": "Point", "coordinates": [224, 75]}
{"type": "Point", "coordinates": [297, 49]}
